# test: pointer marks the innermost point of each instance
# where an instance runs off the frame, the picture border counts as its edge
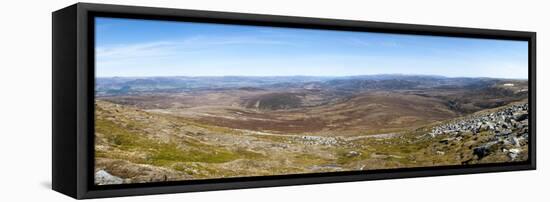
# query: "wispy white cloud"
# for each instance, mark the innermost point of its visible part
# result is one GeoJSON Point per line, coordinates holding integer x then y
{"type": "Point", "coordinates": [149, 49]}
{"type": "Point", "coordinates": [175, 47]}
{"type": "Point", "coordinates": [233, 40]}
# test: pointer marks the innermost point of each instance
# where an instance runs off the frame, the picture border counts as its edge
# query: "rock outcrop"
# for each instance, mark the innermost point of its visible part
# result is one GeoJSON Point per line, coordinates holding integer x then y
{"type": "Point", "coordinates": [102, 177]}
{"type": "Point", "coordinates": [503, 122]}
{"type": "Point", "coordinates": [507, 128]}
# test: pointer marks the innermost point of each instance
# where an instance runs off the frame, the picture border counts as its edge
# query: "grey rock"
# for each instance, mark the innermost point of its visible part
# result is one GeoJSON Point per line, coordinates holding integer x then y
{"type": "Point", "coordinates": [102, 177]}
{"type": "Point", "coordinates": [353, 154]}
{"type": "Point", "coordinates": [515, 141]}
{"type": "Point", "coordinates": [521, 116]}
{"type": "Point", "coordinates": [513, 153]}
{"type": "Point", "coordinates": [481, 152]}
{"type": "Point", "coordinates": [503, 122]}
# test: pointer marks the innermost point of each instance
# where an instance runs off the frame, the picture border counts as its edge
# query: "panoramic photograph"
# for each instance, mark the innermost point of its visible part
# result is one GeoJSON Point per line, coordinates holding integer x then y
{"type": "Point", "coordinates": [178, 101]}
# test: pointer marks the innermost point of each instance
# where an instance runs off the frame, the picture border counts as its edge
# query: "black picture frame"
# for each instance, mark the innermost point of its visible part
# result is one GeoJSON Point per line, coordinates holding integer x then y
{"type": "Point", "coordinates": [73, 95]}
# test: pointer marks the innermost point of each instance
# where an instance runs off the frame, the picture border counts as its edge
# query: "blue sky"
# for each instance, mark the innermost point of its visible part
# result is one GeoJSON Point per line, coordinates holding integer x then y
{"type": "Point", "coordinates": [127, 47]}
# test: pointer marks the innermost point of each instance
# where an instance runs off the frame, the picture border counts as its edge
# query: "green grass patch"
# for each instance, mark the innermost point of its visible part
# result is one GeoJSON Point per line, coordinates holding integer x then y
{"type": "Point", "coordinates": [129, 140]}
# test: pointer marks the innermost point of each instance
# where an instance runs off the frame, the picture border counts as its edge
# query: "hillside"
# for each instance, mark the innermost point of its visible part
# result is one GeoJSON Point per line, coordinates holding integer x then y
{"type": "Point", "coordinates": [182, 128]}
{"type": "Point", "coordinates": [136, 146]}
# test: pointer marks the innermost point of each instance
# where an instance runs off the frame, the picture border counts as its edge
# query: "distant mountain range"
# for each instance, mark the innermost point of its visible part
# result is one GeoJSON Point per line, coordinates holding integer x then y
{"type": "Point", "coordinates": [130, 85]}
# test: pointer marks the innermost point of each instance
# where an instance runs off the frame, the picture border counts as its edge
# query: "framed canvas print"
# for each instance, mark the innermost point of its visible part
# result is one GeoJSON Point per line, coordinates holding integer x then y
{"type": "Point", "coordinates": [154, 100]}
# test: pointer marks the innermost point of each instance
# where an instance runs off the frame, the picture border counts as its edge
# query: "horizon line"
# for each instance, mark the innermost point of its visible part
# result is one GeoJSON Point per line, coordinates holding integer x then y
{"type": "Point", "coordinates": [298, 75]}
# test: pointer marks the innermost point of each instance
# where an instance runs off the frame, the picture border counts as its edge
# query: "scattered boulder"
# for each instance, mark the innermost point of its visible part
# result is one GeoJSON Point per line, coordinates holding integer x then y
{"type": "Point", "coordinates": [484, 150]}
{"type": "Point", "coordinates": [502, 122]}
{"type": "Point", "coordinates": [520, 116]}
{"type": "Point", "coordinates": [515, 141]}
{"type": "Point", "coordinates": [506, 128]}
{"type": "Point", "coordinates": [353, 154]}
{"type": "Point", "coordinates": [481, 152]}
{"type": "Point", "coordinates": [319, 140]}
{"type": "Point", "coordinates": [102, 177]}
{"type": "Point", "coordinates": [513, 153]}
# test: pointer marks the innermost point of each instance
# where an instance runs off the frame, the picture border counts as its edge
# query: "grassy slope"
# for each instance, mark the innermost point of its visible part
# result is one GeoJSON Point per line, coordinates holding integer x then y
{"type": "Point", "coordinates": [166, 147]}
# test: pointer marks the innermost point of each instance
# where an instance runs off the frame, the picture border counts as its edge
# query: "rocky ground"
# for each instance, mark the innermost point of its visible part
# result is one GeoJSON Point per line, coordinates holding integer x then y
{"type": "Point", "coordinates": [505, 132]}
